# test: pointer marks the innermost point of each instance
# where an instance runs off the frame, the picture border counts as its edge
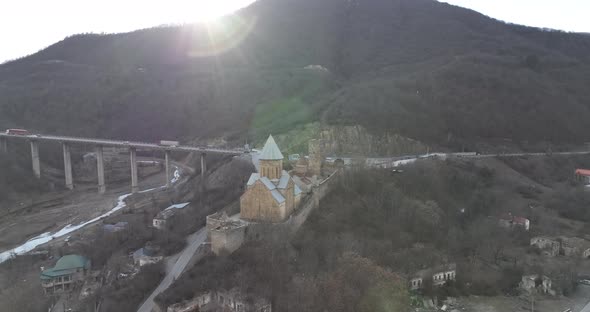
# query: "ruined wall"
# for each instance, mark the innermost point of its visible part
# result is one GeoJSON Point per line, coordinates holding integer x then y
{"type": "Point", "coordinates": [227, 240]}
{"type": "Point", "coordinates": [156, 198]}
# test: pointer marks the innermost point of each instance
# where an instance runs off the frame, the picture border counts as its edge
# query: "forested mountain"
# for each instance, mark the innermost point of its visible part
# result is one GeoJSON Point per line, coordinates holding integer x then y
{"type": "Point", "coordinates": [426, 70]}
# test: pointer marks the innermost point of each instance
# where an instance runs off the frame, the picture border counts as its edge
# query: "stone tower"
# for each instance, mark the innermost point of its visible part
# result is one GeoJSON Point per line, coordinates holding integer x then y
{"type": "Point", "coordinates": [271, 160]}
{"type": "Point", "coordinates": [315, 158]}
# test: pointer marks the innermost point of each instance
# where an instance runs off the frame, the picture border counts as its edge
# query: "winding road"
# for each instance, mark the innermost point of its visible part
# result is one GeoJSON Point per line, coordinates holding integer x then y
{"type": "Point", "coordinates": [194, 241]}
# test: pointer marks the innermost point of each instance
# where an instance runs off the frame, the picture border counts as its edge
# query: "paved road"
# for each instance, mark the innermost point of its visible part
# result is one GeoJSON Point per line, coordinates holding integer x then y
{"type": "Point", "coordinates": [582, 298]}
{"type": "Point", "coordinates": [119, 143]}
{"type": "Point", "coordinates": [586, 293]}
{"type": "Point", "coordinates": [402, 160]}
{"type": "Point", "coordinates": [194, 241]}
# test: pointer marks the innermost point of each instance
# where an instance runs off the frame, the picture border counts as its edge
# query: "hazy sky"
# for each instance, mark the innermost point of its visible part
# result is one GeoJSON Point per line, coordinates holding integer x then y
{"type": "Point", "coordinates": [27, 26]}
{"type": "Point", "coordinates": [569, 15]}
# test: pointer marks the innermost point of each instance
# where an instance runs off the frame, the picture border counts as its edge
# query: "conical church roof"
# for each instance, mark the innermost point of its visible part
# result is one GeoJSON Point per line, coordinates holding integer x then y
{"type": "Point", "coordinates": [271, 150]}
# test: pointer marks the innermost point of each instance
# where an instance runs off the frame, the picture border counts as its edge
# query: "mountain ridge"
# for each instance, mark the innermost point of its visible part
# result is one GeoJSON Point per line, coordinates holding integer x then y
{"type": "Point", "coordinates": [424, 69]}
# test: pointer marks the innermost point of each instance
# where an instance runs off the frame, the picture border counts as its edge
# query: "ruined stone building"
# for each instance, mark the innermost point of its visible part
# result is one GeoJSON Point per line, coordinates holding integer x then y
{"type": "Point", "coordinates": [548, 246]}
{"type": "Point", "coordinates": [566, 246]}
{"type": "Point", "coordinates": [540, 283]}
{"type": "Point", "coordinates": [223, 300]}
{"type": "Point", "coordinates": [271, 195]}
{"type": "Point", "coordinates": [226, 234]}
{"type": "Point", "coordinates": [439, 276]}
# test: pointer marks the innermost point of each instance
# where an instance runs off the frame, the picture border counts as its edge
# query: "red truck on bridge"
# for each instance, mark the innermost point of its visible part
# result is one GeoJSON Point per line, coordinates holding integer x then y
{"type": "Point", "coordinates": [17, 132]}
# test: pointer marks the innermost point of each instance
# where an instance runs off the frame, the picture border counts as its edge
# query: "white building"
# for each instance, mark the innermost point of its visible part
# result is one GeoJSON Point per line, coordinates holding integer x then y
{"type": "Point", "coordinates": [162, 217]}
{"type": "Point", "coordinates": [439, 275]}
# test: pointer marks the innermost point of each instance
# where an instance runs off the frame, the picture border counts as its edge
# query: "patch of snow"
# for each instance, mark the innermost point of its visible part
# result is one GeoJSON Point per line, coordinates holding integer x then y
{"type": "Point", "coordinates": [404, 162]}
{"type": "Point", "coordinates": [177, 206]}
{"type": "Point", "coordinates": [47, 237]}
{"type": "Point", "coordinates": [317, 67]}
{"type": "Point", "coordinates": [152, 189]}
{"type": "Point", "coordinates": [176, 175]}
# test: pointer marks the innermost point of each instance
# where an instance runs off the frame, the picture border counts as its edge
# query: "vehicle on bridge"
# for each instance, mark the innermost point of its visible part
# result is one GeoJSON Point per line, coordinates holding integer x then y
{"type": "Point", "coordinates": [169, 143]}
{"type": "Point", "coordinates": [17, 132]}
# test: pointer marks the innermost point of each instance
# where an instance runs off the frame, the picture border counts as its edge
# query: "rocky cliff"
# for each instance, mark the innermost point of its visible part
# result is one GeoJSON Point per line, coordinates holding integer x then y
{"type": "Point", "coordinates": [357, 141]}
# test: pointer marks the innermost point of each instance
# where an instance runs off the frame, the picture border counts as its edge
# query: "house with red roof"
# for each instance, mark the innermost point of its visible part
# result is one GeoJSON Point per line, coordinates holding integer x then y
{"type": "Point", "coordinates": [507, 220]}
{"type": "Point", "coordinates": [582, 175]}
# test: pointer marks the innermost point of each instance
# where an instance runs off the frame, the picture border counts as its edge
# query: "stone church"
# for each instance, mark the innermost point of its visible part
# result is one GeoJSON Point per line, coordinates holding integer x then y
{"type": "Point", "coordinates": [271, 195]}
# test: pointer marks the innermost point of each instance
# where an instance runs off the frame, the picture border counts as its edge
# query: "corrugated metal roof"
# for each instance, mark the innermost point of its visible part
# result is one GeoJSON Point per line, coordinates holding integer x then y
{"type": "Point", "coordinates": [269, 185]}
{"type": "Point", "coordinates": [282, 184]}
{"type": "Point", "coordinates": [253, 178]}
{"type": "Point", "coordinates": [271, 151]}
{"type": "Point", "coordinates": [284, 181]}
{"type": "Point", "coordinates": [278, 196]}
{"type": "Point", "coordinates": [297, 190]}
{"type": "Point", "coordinates": [178, 206]}
{"type": "Point", "coordinates": [66, 265]}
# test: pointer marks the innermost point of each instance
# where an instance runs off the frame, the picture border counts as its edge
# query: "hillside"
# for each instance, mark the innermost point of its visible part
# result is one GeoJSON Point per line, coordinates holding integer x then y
{"type": "Point", "coordinates": [432, 212]}
{"type": "Point", "coordinates": [426, 70]}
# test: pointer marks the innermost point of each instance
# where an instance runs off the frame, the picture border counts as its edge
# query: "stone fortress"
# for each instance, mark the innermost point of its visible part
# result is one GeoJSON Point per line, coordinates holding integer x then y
{"type": "Point", "coordinates": [273, 200]}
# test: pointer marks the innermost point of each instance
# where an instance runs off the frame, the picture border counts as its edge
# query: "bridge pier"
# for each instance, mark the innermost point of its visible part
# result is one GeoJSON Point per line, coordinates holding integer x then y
{"type": "Point", "coordinates": [68, 166]}
{"type": "Point", "coordinates": [100, 169]}
{"type": "Point", "coordinates": [133, 158]}
{"type": "Point", "coordinates": [203, 171]}
{"type": "Point", "coordinates": [3, 145]}
{"type": "Point", "coordinates": [167, 164]}
{"type": "Point", "coordinates": [35, 158]}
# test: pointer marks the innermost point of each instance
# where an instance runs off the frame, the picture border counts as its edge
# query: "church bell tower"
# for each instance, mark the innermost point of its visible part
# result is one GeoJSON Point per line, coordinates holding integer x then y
{"type": "Point", "coordinates": [271, 160]}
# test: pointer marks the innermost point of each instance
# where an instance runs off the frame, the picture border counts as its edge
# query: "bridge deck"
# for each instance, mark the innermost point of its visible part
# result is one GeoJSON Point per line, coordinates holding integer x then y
{"type": "Point", "coordinates": [117, 143]}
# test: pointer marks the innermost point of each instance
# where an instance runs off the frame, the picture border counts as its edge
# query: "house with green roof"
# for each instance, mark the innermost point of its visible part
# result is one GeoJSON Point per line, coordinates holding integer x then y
{"type": "Point", "coordinates": [68, 272]}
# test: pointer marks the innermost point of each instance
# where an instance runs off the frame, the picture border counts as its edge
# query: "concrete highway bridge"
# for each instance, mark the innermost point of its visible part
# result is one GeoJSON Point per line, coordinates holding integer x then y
{"type": "Point", "coordinates": [98, 144]}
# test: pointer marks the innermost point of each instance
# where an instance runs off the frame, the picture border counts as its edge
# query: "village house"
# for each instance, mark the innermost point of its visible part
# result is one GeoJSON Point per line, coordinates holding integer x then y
{"type": "Point", "coordinates": [566, 246]}
{"type": "Point", "coordinates": [536, 282]}
{"type": "Point", "coordinates": [439, 276]}
{"type": "Point", "coordinates": [162, 217]}
{"type": "Point", "coordinates": [146, 255]}
{"type": "Point", "coordinates": [510, 221]}
{"type": "Point", "coordinates": [582, 175]}
{"type": "Point", "coordinates": [222, 300]}
{"type": "Point", "coordinates": [271, 195]}
{"type": "Point", "coordinates": [68, 272]}
{"type": "Point", "coordinates": [549, 246]}
{"type": "Point", "coordinates": [575, 247]}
